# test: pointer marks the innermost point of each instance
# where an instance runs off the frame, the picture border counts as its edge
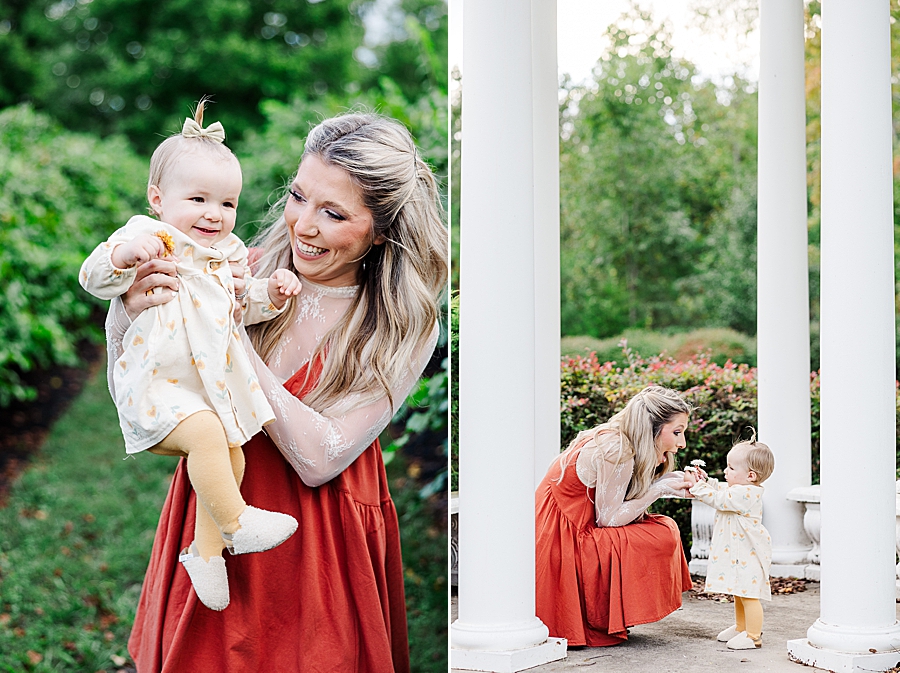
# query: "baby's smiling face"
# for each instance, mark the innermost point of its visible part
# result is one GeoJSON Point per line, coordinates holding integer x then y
{"type": "Point", "coordinates": [199, 196]}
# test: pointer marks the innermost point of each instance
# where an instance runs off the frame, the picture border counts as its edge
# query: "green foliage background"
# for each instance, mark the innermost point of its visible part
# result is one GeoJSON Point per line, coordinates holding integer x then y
{"type": "Point", "coordinates": [658, 196]}
{"type": "Point", "coordinates": [134, 67]}
{"type": "Point", "coordinates": [73, 166]}
{"type": "Point", "coordinates": [59, 193]}
{"type": "Point", "coordinates": [87, 89]}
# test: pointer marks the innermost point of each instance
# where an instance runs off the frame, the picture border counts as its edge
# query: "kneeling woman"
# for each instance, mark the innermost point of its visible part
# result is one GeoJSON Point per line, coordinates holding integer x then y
{"type": "Point", "coordinates": [603, 563]}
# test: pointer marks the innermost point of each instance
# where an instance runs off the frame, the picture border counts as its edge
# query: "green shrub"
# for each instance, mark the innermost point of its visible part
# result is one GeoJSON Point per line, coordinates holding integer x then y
{"type": "Point", "coordinates": [724, 400]}
{"type": "Point", "coordinates": [719, 344]}
{"type": "Point", "coordinates": [723, 397]}
{"type": "Point", "coordinates": [61, 193]}
{"type": "Point", "coordinates": [454, 392]}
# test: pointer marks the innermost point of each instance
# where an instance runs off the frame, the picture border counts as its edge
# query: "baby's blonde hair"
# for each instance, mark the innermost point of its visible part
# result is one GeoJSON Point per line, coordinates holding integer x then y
{"type": "Point", "coordinates": [170, 150]}
{"type": "Point", "coordinates": [759, 457]}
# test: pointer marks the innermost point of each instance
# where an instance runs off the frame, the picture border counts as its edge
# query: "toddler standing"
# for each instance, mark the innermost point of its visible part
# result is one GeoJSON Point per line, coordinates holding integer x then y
{"type": "Point", "coordinates": [741, 549]}
{"type": "Point", "coordinates": [182, 383]}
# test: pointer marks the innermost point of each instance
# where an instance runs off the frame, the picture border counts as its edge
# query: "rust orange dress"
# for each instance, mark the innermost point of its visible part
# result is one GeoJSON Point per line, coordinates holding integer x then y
{"type": "Point", "coordinates": [328, 600]}
{"type": "Point", "coordinates": [595, 581]}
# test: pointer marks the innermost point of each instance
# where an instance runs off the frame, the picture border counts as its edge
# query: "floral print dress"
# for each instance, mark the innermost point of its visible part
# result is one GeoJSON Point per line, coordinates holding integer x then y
{"type": "Point", "coordinates": [186, 355]}
{"type": "Point", "coordinates": [741, 549]}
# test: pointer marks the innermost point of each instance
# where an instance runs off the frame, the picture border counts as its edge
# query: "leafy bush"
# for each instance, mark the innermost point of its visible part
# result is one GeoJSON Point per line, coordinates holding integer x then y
{"type": "Point", "coordinates": [719, 343]}
{"type": "Point", "coordinates": [724, 400]}
{"type": "Point", "coordinates": [723, 397]}
{"type": "Point", "coordinates": [61, 193]}
{"type": "Point", "coordinates": [454, 392]}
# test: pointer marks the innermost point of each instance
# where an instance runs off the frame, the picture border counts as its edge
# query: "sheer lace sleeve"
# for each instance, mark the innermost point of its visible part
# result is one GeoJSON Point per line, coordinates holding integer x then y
{"type": "Point", "coordinates": [320, 446]}
{"type": "Point", "coordinates": [599, 465]}
{"type": "Point", "coordinates": [117, 323]}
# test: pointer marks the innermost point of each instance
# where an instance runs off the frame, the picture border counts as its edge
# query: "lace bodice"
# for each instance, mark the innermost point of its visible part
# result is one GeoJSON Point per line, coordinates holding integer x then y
{"type": "Point", "coordinates": [599, 465]}
{"type": "Point", "coordinates": [319, 446]}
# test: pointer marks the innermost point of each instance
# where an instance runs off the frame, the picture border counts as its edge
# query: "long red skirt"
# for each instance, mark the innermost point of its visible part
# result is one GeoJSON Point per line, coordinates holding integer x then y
{"type": "Point", "coordinates": [592, 583]}
{"type": "Point", "coordinates": [329, 599]}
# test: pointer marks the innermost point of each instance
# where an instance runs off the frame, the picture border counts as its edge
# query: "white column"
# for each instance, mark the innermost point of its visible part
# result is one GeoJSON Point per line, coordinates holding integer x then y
{"type": "Point", "coordinates": [545, 87]}
{"type": "Point", "coordinates": [783, 278]}
{"type": "Point", "coordinates": [857, 624]}
{"type": "Point", "coordinates": [497, 629]}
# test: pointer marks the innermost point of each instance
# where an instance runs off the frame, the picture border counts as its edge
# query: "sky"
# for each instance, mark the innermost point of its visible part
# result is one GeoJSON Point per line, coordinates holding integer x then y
{"type": "Point", "coordinates": [581, 24]}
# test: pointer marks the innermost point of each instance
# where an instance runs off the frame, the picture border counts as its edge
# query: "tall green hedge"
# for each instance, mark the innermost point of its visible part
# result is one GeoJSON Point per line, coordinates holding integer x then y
{"type": "Point", "coordinates": [724, 398]}
{"type": "Point", "coordinates": [61, 193]}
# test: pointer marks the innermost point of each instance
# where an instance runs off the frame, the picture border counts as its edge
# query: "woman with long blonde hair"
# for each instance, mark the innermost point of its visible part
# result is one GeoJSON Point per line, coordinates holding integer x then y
{"type": "Point", "coordinates": [362, 226]}
{"type": "Point", "coordinates": [603, 563]}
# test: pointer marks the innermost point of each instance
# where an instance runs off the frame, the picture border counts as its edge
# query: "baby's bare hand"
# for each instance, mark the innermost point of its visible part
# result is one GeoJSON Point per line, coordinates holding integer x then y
{"type": "Point", "coordinates": [140, 249]}
{"type": "Point", "coordinates": [283, 284]}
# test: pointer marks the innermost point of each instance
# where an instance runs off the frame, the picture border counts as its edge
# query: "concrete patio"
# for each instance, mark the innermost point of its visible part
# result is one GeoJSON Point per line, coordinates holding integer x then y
{"type": "Point", "coordinates": [684, 642]}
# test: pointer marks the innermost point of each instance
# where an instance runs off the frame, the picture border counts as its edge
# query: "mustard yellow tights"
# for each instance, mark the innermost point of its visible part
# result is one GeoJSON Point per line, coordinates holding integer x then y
{"type": "Point", "coordinates": [215, 470]}
{"type": "Point", "coordinates": [748, 616]}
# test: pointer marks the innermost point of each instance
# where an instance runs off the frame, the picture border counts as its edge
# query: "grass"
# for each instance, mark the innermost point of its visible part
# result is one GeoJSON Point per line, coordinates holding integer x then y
{"type": "Point", "coordinates": [77, 532]}
{"type": "Point", "coordinates": [426, 567]}
{"type": "Point", "coordinates": [78, 528]}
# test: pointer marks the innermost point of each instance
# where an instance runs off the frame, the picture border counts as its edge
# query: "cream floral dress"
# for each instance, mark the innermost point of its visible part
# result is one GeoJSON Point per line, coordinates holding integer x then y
{"type": "Point", "coordinates": [186, 355]}
{"type": "Point", "coordinates": [318, 444]}
{"type": "Point", "coordinates": [741, 550]}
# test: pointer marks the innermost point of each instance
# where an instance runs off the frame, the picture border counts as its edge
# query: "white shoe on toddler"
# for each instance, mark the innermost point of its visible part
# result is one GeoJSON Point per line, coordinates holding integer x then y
{"type": "Point", "coordinates": [208, 578]}
{"type": "Point", "coordinates": [743, 641]}
{"type": "Point", "coordinates": [260, 530]}
{"type": "Point", "coordinates": [727, 634]}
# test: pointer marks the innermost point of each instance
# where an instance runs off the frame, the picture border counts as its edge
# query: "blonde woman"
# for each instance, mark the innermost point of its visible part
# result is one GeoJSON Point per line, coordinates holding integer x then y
{"type": "Point", "coordinates": [603, 563]}
{"type": "Point", "coordinates": [361, 224]}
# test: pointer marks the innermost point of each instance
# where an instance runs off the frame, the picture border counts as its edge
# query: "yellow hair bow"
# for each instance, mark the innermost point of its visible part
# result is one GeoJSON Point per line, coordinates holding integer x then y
{"type": "Point", "coordinates": [214, 131]}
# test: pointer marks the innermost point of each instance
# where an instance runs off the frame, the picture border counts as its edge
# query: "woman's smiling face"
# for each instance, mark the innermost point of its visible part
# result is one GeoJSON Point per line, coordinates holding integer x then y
{"type": "Point", "coordinates": [330, 228]}
{"type": "Point", "coordinates": [671, 437]}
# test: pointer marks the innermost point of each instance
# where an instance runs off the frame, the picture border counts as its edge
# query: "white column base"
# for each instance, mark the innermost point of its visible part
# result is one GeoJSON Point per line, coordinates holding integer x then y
{"type": "Point", "coordinates": [803, 652]}
{"type": "Point", "coordinates": [498, 636]}
{"type": "Point", "coordinates": [509, 661]}
{"type": "Point", "coordinates": [697, 566]}
{"type": "Point", "coordinates": [856, 639]}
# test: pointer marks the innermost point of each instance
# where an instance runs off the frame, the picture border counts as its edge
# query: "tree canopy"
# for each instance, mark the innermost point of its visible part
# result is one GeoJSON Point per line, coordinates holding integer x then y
{"type": "Point", "coordinates": [136, 67]}
{"type": "Point", "coordinates": [657, 166]}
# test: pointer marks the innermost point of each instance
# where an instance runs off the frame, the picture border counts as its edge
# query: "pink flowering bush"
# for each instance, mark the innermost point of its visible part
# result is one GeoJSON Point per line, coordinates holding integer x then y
{"type": "Point", "coordinates": [724, 400]}
{"type": "Point", "coordinates": [723, 397]}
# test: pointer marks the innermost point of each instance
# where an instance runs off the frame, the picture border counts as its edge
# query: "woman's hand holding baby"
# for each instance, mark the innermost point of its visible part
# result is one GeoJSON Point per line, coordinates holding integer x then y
{"type": "Point", "coordinates": [157, 273]}
{"type": "Point", "coordinates": [283, 285]}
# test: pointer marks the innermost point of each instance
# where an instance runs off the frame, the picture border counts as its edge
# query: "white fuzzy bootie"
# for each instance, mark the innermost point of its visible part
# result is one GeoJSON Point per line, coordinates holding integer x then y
{"type": "Point", "coordinates": [742, 641]}
{"type": "Point", "coordinates": [208, 578]}
{"type": "Point", "coordinates": [260, 530]}
{"type": "Point", "coordinates": [727, 634]}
